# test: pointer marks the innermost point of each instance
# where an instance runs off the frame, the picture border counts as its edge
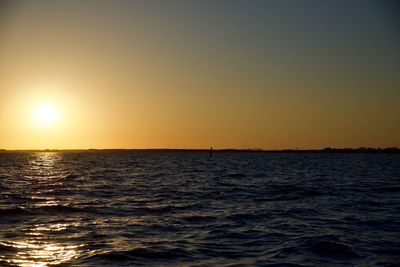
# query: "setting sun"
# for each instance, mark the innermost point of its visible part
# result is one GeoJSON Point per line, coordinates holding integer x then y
{"type": "Point", "coordinates": [46, 114]}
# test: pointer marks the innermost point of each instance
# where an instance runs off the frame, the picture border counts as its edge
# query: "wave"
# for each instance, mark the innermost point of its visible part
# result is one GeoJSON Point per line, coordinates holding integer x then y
{"type": "Point", "coordinates": [55, 209]}
{"type": "Point", "coordinates": [387, 189]}
{"type": "Point", "coordinates": [327, 246]}
{"type": "Point", "coordinates": [7, 249]}
{"type": "Point", "coordinates": [140, 254]}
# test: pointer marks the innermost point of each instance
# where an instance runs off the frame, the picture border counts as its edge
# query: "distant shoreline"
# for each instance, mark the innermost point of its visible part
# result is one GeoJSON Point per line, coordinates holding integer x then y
{"type": "Point", "coordinates": [226, 150]}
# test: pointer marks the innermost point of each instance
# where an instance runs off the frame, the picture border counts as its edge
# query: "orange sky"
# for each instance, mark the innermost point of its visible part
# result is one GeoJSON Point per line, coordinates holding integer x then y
{"type": "Point", "coordinates": [188, 74]}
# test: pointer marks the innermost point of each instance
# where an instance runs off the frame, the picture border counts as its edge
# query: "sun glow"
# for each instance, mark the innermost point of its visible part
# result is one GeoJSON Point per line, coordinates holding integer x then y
{"type": "Point", "coordinates": [46, 114]}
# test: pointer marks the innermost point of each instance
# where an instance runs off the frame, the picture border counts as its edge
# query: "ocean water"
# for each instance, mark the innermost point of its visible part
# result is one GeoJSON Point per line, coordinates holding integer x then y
{"type": "Point", "coordinates": [187, 209]}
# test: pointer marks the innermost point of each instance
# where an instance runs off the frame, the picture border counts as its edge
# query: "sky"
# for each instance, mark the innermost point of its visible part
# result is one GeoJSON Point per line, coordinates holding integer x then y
{"type": "Point", "coordinates": [194, 74]}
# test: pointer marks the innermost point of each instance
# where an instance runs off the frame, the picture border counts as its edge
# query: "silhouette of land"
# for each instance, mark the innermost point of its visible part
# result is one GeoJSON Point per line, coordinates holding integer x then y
{"type": "Point", "coordinates": [225, 150]}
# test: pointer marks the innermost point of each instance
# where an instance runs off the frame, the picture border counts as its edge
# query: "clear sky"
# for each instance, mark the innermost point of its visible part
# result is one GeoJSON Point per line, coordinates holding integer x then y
{"type": "Point", "coordinates": [195, 74]}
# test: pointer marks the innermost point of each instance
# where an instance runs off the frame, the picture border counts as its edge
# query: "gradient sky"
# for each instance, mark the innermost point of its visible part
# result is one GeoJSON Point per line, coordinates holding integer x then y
{"type": "Point", "coordinates": [195, 74]}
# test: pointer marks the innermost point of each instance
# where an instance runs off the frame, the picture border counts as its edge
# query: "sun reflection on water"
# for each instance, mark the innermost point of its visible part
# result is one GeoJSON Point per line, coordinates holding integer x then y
{"type": "Point", "coordinates": [36, 251]}
{"type": "Point", "coordinates": [34, 254]}
{"type": "Point", "coordinates": [46, 174]}
{"type": "Point", "coordinates": [42, 244]}
{"type": "Point", "coordinates": [43, 163]}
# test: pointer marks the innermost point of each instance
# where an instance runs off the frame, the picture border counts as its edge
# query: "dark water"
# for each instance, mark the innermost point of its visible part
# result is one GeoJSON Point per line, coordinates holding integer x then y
{"type": "Point", "coordinates": [168, 209]}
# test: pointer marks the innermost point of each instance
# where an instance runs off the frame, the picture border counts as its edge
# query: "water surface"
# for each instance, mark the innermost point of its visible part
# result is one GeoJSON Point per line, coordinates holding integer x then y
{"type": "Point", "coordinates": [185, 209]}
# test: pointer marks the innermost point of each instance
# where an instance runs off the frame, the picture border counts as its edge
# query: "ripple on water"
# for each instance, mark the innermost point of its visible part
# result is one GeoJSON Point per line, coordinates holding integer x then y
{"type": "Point", "coordinates": [173, 209]}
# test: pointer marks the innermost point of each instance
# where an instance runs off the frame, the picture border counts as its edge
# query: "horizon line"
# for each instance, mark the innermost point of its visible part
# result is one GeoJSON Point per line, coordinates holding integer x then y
{"type": "Point", "coordinates": [325, 149]}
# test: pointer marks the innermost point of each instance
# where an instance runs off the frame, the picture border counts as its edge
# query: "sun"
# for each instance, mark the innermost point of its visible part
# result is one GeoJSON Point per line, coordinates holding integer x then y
{"type": "Point", "coordinates": [46, 114]}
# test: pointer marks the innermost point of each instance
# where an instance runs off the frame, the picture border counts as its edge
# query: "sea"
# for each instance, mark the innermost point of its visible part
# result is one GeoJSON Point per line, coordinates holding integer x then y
{"type": "Point", "coordinates": [189, 209]}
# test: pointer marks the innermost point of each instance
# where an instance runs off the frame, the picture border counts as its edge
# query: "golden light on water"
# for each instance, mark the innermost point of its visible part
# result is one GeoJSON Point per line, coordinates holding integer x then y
{"type": "Point", "coordinates": [38, 246]}
{"type": "Point", "coordinates": [43, 162]}
{"type": "Point", "coordinates": [36, 253]}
